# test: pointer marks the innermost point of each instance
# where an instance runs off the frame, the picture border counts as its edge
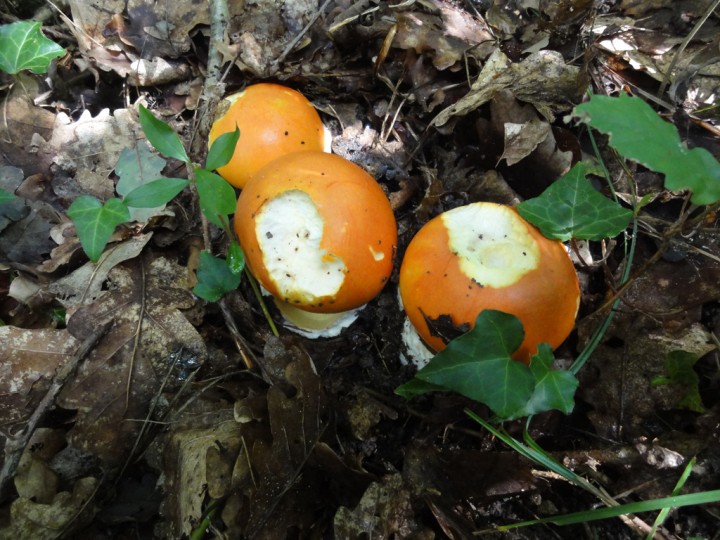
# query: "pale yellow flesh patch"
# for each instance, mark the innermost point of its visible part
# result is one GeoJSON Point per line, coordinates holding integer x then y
{"type": "Point", "coordinates": [491, 242]}
{"type": "Point", "coordinates": [289, 231]}
{"type": "Point", "coordinates": [377, 255]}
{"type": "Point", "coordinates": [314, 325]}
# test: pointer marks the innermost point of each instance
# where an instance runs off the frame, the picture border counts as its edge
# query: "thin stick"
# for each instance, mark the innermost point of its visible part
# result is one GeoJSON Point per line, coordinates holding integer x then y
{"type": "Point", "coordinates": [290, 46]}
{"type": "Point", "coordinates": [685, 43]}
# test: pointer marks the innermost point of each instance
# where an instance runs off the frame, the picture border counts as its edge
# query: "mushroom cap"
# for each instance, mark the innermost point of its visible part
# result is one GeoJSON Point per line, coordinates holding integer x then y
{"type": "Point", "coordinates": [318, 232]}
{"type": "Point", "coordinates": [274, 120]}
{"type": "Point", "coordinates": [485, 256]}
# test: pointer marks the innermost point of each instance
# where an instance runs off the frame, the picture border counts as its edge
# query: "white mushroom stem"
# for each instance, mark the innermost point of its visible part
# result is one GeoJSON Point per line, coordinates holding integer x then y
{"type": "Point", "coordinates": [416, 352]}
{"type": "Point", "coordinates": [316, 325]}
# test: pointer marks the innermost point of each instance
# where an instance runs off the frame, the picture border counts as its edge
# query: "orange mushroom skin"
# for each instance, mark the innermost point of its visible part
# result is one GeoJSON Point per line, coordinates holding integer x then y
{"type": "Point", "coordinates": [544, 296]}
{"type": "Point", "coordinates": [359, 233]}
{"type": "Point", "coordinates": [274, 120]}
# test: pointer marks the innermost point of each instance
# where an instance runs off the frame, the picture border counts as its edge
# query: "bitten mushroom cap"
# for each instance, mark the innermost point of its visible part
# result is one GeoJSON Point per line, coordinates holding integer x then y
{"type": "Point", "coordinates": [486, 256]}
{"type": "Point", "coordinates": [274, 120]}
{"type": "Point", "coordinates": [318, 232]}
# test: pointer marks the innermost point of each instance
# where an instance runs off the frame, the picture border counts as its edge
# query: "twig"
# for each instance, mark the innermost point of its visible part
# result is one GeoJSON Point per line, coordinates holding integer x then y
{"type": "Point", "coordinates": [240, 344]}
{"type": "Point", "coordinates": [14, 447]}
{"type": "Point", "coordinates": [668, 73]}
{"type": "Point", "coordinates": [290, 46]}
{"type": "Point", "coordinates": [214, 88]}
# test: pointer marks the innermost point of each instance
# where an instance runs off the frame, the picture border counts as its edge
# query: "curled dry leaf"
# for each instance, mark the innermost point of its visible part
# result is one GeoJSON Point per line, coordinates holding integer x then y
{"type": "Point", "coordinates": [31, 519]}
{"type": "Point", "coordinates": [270, 464]}
{"type": "Point", "coordinates": [260, 34]}
{"type": "Point", "coordinates": [543, 79]}
{"type": "Point", "coordinates": [296, 425]}
{"type": "Point", "coordinates": [86, 284]}
{"type": "Point", "coordinates": [132, 38]}
{"type": "Point", "coordinates": [35, 479]}
{"type": "Point", "coordinates": [264, 457]}
{"type": "Point", "coordinates": [530, 147]}
{"type": "Point", "coordinates": [447, 37]}
{"type": "Point", "coordinates": [648, 48]}
{"type": "Point", "coordinates": [194, 460]}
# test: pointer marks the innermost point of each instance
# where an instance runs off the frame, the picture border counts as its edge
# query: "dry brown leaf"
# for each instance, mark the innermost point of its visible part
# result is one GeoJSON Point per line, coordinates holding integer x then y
{"type": "Point", "coordinates": [190, 455]}
{"type": "Point", "coordinates": [261, 30]}
{"type": "Point", "coordinates": [661, 313]}
{"type": "Point", "coordinates": [32, 520]}
{"type": "Point", "coordinates": [29, 359]}
{"type": "Point", "coordinates": [364, 412]}
{"type": "Point", "coordinates": [296, 424]}
{"type": "Point", "coordinates": [34, 478]}
{"type": "Point", "coordinates": [447, 37]}
{"type": "Point", "coordinates": [619, 391]}
{"type": "Point", "coordinates": [28, 240]}
{"type": "Point", "coordinates": [25, 225]}
{"type": "Point", "coordinates": [87, 283]}
{"type": "Point", "coordinates": [385, 511]}
{"type": "Point", "coordinates": [277, 482]}
{"type": "Point", "coordinates": [82, 286]}
{"type": "Point", "coordinates": [112, 389]}
{"type": "Point", "coordinates": [521, 139]}
{"type": "Point", "coordinates": [123, 36]}
{"type": "Point", "coordinates": [530, 146]}
{"type": "Point", "coordinates": [24, 128]}
{"type": "Point", "coordinates": [86, 151]}
{"type": "Point", "coordinates": [695, 69]}
{"type": "Point", "coordinates": [543, 79]}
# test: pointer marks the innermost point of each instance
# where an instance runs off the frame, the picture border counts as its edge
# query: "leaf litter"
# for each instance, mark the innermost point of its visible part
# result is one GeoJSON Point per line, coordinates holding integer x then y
{"type": "Point", "coordinates": [446, 104]}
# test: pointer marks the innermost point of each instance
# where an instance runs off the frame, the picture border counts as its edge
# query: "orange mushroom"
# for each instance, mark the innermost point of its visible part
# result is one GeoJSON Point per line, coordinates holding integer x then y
{"type": "Point", "coordinates": [273, 120]}
{"type": "Point", "coordinates": [318, 233]}
{"type": "Point", "coordinates": [485, 256]}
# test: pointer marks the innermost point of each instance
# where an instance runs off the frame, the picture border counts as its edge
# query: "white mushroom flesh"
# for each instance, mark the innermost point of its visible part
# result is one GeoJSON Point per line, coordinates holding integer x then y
{"type": "Point", "coordinates": [492, 243]}
{"type": "Point", "coordinates": [289, 231]}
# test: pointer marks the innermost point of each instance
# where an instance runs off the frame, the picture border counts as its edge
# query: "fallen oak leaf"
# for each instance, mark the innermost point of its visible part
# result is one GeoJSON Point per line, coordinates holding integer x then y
{"type": "Point", "coordinates": [126, 368]}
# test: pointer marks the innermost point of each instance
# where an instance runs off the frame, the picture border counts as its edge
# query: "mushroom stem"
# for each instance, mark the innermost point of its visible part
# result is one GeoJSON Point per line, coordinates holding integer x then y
{"type": "Point", "coordinates": [315, 325]}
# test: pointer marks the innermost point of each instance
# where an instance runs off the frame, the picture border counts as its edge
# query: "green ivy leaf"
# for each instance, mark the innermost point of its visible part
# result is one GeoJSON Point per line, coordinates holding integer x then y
{"type": "Point", "coordinates": [679, 369]}
{"type": "Point", "coordinates": [6, 196]}
{"type": "Point", "coordinates": [572, 208]}
{"type": "Point", "coordinates": [156, 193]}
{"type": "Point", "coordinates": [236, 258]}
{"type": "Point", "coordinates": [554, 389]}
{"type": "Point", "coordinates": [214, 278]}
{"type": "Point", "coordinates": [638, 133]}
{"type": "Point", "coordinates": [217, 197]}
{"type": "Point", "coordinates": [162, 136]}
{"type": "Point", "coordinates": [222, 150]}
{"type": "Point", "coordinates": [479, 365]}
{"type": "Point", "coordinates": [416, 387]}
{"type": "Point", "coordinates": [23, 46]}
{"type": "Point", "coordinates": [135, 167]}
{"type": "Point", "coordinates": [95, 222]}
